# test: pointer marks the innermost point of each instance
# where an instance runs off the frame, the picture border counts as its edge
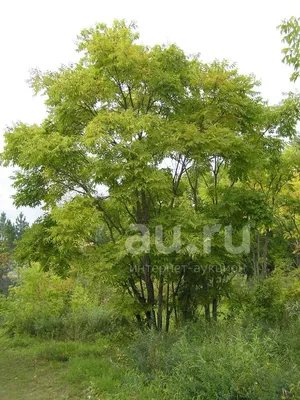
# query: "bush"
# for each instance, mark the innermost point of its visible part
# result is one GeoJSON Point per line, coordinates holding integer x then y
{"type": "Point", "coordinates": [36, 305]}
{"type": "Point", "coordinates": [221, 361]}
{"type": "Point", "coordinates": [149, 353]}
{"type": "Point", "coordinates": [225, 366]}
{"type": "Point", "coordinates": [260, 300]}
{"type": "Point", "coordinates": [46, 305]}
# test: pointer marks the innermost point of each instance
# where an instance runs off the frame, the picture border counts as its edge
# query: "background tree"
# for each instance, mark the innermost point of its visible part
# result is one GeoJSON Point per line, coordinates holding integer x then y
{"type": "Point", "coordinates": [20, 225]}
{"type": "Point", "coordinates": [9, 233]}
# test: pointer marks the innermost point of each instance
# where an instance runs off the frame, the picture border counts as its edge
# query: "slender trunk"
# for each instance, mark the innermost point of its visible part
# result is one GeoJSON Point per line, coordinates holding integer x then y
{"type": "Point", "coordinates": [174, 303]}
{"type": "Point", "coordinates": [143, 218]}
{"type": "Point", "coordinates": [214, 300]}
{"type": "Point", "coordinates": [265, 253]}
{"type": "Point", "coordinates": [215, 309]}
{"type": "Point", "coordinates": [135, 292]}
{"type": "Point", "coordinates": [139, 321]}
{"type": "Point", "coordinates": [160, 303]}
{"type": "Point", "coordinates": [168, 314]}
{"type": "Point", "coordinates": [206, 306]}
{"type": "Point", "coordinates": [207, 312]}
{"type": "Point", "coordinates": [150, 293]}
{"type": "Point", "coordinates": [142, 289]}
{"type": "Point", "coordinates": [215, 181]}
{"type": "Point", "coordinates": [254, 262]}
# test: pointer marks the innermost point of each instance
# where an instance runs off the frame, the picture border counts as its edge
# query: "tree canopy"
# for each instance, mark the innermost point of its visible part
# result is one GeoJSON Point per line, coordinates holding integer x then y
{"type": "Point", "coordinates": [138, 138]}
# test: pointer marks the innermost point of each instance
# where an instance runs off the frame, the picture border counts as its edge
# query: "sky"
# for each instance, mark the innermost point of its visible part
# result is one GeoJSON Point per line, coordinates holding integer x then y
{"type": "Point", "coordinates": [40, 34]}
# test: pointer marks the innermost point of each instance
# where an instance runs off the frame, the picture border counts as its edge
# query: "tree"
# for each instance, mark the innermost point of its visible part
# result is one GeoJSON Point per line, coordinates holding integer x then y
{"type": "Point", "coordinates": [290, 30]}
{"type": "Point", "coordinates": [7, 237]}
{"type": "Point", "coordinates": [3, 219]}
{"type": "Point", "coordinates": [147, 137]}
{"type": "Point", "coordinates": [20, 225]}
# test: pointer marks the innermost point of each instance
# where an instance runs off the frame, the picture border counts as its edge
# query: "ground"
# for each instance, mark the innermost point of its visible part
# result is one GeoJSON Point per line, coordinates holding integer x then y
{"type": "Point", "coordinates": [24, 378]}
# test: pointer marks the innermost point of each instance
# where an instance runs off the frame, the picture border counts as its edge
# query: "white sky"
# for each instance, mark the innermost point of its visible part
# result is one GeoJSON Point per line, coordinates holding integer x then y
{"type": "Point", "coordinates": [42, 34]}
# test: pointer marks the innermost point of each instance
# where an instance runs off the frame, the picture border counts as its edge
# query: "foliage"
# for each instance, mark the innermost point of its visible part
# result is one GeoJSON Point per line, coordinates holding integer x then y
{"type": "Point", "coordinates": [141, 144]}
{"type": "Point", "coordinates": [151, 136]}
{"type": "Point", "coordinates": [221, 360]}
{"type": "Point", "coordinates": [260, 301]}
{"type": "Point", "coordinates": [44, 304]}
{"type": "Point", "coordinates": [290, 30]}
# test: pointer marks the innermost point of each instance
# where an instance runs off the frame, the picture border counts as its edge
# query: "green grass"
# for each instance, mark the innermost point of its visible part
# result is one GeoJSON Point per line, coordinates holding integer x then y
{"type": "Point", "coordinates": [223, 361]}
{"type": "Point", "coordinates": [23, 377]}
{"type": "Point", "coordinates": [32, 369]}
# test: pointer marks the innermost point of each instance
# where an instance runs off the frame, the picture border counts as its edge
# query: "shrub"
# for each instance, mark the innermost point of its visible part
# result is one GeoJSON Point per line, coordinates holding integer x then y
{"type": "Point", "coordinates": [260, 300]}
{"type": "Point", "coordinates": [223, 361]}
{"type": "Point", "coordinates": [36, 305]}
{"type": "Point", "coordinates": [46, 305]}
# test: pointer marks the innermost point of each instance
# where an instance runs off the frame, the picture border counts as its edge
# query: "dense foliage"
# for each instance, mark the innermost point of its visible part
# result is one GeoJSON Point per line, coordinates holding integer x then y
{"type": "Point", "coordinates": [171, 199]}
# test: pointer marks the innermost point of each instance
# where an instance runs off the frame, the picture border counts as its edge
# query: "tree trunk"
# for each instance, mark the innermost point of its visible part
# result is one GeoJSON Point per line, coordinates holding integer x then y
{"type": "Point", "coordinates": [215, 309]}
{"type": "Point", "coordinates": [139, 321]}
{"type": "Point", "coordinates": [265, 253]}
{"type": "Point", "coordinates": [207, 312]}
{"type": "Point", "coordinates": [258, 254]}
{"type": "Point", "coordinates": [150, 314]}
{"type": "Point", "coordinates": [160, 303]}
{"type": "Point", "coordinates": [168, 314]}
{"type": "Point", "coordinates": [174, 303]}
{"type": "Point", "coordinates": [143, 218]}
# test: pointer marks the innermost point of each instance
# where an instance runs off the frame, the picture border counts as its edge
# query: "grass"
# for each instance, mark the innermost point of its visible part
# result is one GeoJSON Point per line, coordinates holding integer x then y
{"type": "Point", "coordinates": [218, 361]}
{"type": "Point", "coordinates": [22, 378]}
{"type": "Point", "coordinates": [31, 369]}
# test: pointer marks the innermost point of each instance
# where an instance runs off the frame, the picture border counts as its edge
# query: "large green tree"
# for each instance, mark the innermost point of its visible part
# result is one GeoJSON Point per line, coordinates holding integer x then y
{"type": "Point", "coordinates": [150, 137]}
